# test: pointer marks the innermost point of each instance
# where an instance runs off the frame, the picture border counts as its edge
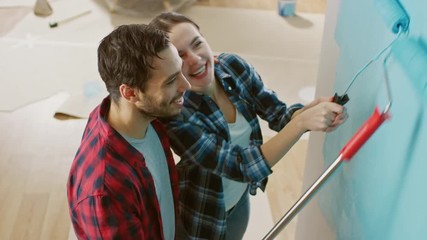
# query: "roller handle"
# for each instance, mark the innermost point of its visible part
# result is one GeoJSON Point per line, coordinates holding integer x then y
{"type": "Point", "coordinates": [363, 134]}
{"type": "Point", "coordinates": [341, 100]}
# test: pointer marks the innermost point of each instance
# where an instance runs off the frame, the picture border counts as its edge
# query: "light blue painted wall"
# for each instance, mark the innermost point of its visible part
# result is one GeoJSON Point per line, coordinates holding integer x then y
{"type": "Point", "coordinates": [381, 193]}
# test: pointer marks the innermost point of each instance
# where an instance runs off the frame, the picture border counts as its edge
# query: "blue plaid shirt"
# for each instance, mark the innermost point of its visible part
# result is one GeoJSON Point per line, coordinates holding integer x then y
{"type": "Point", "coordinates": [200, 136]}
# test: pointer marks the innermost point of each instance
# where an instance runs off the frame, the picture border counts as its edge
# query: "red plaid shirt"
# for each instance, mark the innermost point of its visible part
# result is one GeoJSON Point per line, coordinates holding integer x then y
{"type": "Point", "coordinates": [111, 192]}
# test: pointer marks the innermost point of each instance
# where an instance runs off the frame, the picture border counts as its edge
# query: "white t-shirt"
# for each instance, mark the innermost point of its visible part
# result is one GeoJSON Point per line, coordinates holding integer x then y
{"type": "Point", "coordinates": [155, 159]}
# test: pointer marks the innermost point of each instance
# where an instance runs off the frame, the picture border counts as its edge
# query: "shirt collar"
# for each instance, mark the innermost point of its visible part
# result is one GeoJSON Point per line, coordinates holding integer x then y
{"type": "Point", "coordinates": [195, 99]}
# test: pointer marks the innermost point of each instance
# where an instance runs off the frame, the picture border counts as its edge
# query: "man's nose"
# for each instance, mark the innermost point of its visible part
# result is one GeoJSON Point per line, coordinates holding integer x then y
{"type": "Point", "coordinates": [184, 84]}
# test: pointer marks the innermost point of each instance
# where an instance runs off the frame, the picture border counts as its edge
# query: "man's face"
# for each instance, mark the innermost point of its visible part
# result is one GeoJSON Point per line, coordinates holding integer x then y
{"type": "Point", "coordinates": [163, 94]}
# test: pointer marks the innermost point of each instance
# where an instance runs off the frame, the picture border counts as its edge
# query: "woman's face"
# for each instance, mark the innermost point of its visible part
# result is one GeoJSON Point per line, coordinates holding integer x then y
{"type": "Point", "coordinates": [196, 55]}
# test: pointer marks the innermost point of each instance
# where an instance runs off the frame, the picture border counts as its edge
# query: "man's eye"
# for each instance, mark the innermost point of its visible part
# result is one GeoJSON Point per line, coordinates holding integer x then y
{"type": "Point", "coordinates": [171, 81]}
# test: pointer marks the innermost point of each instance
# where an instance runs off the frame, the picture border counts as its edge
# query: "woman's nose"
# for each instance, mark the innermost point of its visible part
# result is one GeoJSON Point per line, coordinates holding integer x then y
{"type": "Point", "coordinates": [193, 58]}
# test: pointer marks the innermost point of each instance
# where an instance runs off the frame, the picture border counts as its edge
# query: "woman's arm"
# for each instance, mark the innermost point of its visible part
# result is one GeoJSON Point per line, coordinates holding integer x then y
{"type": "Point", "coordinates": [320, 115]}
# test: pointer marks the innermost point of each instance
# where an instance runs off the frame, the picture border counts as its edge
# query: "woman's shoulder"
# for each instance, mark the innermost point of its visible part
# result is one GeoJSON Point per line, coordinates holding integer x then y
{"type": "Point", "coordinates": [232, 62]}
{"type": "Point", "coordinates": [229, 57]}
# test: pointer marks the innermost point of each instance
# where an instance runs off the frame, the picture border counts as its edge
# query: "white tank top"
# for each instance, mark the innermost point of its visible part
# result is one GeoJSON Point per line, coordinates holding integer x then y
{"type": "Point", "coordinates": [240, 133]}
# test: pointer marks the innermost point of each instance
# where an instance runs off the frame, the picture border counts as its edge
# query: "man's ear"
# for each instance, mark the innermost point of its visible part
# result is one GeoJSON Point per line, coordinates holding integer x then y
{"type": "Point", "coordinates": [128, 93]}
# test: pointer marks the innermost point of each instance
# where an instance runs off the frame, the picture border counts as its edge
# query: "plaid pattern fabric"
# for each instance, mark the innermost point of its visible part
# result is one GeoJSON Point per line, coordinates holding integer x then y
{"type": "Point", "coordinates": [111, 192]}
{"type": "Point", "coordinates": [200, 136]}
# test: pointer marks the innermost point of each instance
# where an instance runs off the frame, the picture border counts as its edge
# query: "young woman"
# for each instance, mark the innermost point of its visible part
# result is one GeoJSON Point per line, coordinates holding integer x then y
{"type": "Point", "coordinates": [218, 136]}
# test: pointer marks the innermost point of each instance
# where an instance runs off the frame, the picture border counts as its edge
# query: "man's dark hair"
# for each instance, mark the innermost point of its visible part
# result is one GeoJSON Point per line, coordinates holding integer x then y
{"type": "Point", "coordinates": [126, 56]}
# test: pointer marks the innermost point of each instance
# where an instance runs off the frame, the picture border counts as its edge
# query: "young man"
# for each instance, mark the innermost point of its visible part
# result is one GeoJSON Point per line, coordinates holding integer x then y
{"type": "Point", "coordinates": [123, 183]}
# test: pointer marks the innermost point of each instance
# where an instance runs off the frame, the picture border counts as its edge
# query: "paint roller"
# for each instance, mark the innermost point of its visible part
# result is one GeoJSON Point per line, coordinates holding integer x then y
{"type": "Point", "coordinates": [411, 54]}
{"type": "Point", "coordinates": [397, 20]}
{"type": "Point", "coordinates": [395, 17]}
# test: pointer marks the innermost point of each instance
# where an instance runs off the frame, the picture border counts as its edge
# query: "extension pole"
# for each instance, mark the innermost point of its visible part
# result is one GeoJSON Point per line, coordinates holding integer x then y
{"type": "Point", "coordinates": [292, 212]}
{"type": "Point", "coordinates": [347, 152]}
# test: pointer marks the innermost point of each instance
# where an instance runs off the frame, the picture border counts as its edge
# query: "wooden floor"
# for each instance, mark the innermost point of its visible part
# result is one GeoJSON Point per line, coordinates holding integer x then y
{"type": "Point", "coordinates": [35, 157]}
{"type": "Point", "coordinates": [36, 151]}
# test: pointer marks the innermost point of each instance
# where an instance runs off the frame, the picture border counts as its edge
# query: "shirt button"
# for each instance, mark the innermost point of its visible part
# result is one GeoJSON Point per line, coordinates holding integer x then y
{"type": "Point", "coordinates": [229, 88]}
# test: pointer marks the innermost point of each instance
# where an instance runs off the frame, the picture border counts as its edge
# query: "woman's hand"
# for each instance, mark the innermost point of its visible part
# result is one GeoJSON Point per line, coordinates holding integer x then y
{"type": "Point", "coordinates": [321, 115]}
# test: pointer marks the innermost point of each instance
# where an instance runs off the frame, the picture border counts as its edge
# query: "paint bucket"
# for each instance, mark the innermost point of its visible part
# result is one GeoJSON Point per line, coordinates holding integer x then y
{"type": "Point", "coordinates": [286, 8]}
